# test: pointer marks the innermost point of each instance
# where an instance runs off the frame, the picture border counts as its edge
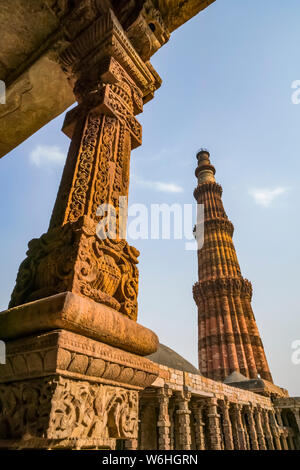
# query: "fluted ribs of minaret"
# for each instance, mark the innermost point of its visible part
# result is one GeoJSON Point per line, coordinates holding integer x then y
{"type": "Point", "coordinates": [228, 335]}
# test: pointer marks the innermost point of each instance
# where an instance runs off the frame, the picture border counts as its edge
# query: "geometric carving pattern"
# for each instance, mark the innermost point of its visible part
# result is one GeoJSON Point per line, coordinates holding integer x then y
{"type": "Point", "coordinates": [72, 355]}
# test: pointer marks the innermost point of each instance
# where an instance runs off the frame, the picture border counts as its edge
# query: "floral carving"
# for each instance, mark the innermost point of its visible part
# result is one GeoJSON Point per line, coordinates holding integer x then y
{"type": "Point", "coordinates": [84, 169]}
{"type": "Point", "coordinates": [58, 408]}
{"type": "Point", "coordinates": [72, 258]}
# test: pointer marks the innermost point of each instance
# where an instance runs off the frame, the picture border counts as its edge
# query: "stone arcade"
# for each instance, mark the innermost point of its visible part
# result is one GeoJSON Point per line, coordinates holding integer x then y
{"type": "Point", "coordinates": [80, 371]}
{"type": "Point", "coordinates": [231, 401]}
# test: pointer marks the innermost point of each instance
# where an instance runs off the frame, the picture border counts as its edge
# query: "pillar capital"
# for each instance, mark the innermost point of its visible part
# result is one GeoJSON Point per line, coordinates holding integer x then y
{"type": "Point", "coordinates": [237, 407]}
{"type": "Point", "coordinates": [212, 401]}
{"type": "Point", "coordinates": [225, 404]}
{"type": "Point", "coordinates": [103, 39]}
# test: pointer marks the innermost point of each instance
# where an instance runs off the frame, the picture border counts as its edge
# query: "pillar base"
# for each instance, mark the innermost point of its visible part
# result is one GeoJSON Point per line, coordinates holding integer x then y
{"type": "Point", "coordinates": [80, 315]}
{"type": "Point", "coordinates": [61, 389]}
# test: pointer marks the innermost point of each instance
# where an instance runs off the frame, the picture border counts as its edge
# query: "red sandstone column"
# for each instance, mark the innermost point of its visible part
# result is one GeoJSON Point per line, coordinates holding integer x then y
{"type": "Point", "coordinates": [252, 428]}
{"type": "Point", "coordinates": [259, 428]}
{"type": "Point", "coordinates": [275, 430]}
{"type": "Point", "coordinates": [163, 422]}
{"type": "Point", "coordinates": [227, 428]}
{"type": "Point", "coordinates": [239, 426]}
{"type": "Point", "coordinates": [281, 425]}
{"type": "Point", "coordinates": [183, 412]}
{"type": "Point", "coordinates": [214, 424]}
{"type": "Point", "coordinates": [197, 408]}
{"type": "Point", "coordinates": [267, 428]}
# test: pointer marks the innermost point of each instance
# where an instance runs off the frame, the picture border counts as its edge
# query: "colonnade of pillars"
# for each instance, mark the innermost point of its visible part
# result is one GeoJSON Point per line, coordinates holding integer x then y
{"type": "Point", "coordinates": [182, 421]}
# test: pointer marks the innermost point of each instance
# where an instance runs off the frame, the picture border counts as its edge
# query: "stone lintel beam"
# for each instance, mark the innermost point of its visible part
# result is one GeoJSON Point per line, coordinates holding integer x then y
{"type": "Point", "coordinates": [175, 13]}
{"type": "Point", "coordinates": [37, 89]}
{"type": "Point", "coordinates": [79, 315]}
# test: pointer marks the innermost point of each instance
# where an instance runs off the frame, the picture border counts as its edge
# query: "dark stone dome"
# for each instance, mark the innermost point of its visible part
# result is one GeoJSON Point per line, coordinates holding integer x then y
{"type": "Point", "coordinates": [167, 357]}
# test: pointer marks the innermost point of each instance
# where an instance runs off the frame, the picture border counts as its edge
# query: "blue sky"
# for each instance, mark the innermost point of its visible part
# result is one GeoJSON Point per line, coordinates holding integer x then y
{"type": "Point", "coordinates": [227, 77]}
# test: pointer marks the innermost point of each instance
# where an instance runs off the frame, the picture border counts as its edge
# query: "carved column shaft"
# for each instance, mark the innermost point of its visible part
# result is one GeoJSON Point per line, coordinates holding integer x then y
{"type": "Point", "coordinates": [214, 424]}
{"type": "Point", "coordinates": [275, 430]}
{"type": "Point", "coordinates": [227, 428]}
{"type": "Point", "coordinates": [280, 422]}
{"type": "Point", "coordinates": [237, 409]}
{"type": "Point", "coordinates": [199, 425]}
{"type": "Point", "coordinates": [259, 428]}
{"type": "Point", "coordinates": [184, 430]}
{"type": "Point", "coordinates": [252, 428]}
{"type": "Point", "coordinates": [267, 428]}
{"type": "Point", "coordinates": [163, 423]}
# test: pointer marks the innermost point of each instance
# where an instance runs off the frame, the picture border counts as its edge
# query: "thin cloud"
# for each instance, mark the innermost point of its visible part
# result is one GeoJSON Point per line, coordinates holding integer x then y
{"type": "Point", "coordinates": [264, 197]}
{"type": "Point", "coordinates": [158, 185]}
{"type": "Point", "coordinates": [164, 187]}
{"type": "Point", "coordinates": [47, 155]}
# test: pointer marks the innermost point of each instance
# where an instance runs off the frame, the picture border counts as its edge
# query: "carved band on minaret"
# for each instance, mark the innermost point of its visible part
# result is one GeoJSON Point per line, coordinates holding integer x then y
{"type": "Point", "coordinates": [228, 335]}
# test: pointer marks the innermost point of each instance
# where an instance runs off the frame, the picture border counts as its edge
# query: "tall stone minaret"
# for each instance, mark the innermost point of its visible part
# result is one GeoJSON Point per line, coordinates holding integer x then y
{"type": "Point", "coordinates": [228, 338]}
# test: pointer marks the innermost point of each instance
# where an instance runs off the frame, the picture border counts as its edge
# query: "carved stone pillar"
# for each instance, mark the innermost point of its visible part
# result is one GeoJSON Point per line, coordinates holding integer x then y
{"type": "Point", "coordinates": [66, 382]}
{"type": "Point", "coordinates": [275, 430]}
{"type": "Point", "coordinates": [267, 429]}
{"type": "Point", "coordinates": [259, 428]}
{"type": "Point", "coordinates": [252, 428]}
{"type": "Point", "coordinates": [237, 411]}
{"type": "Point", "coordinates": [172, 424]}
{"type": "Point", "coordinates": [281, 425]}
{"type": "Point", "coordinates": [214, 424]}
{"type": "Point", "coordinates": [197, 408]}
{"type": "Point", "coordinates": [163, 423]}
{"type": "Point", "coordinates": [183, 413]}
{"type": "Point", "coordinates": [296, 413]}
{"type": "Point", "coordinates": [227, 428]}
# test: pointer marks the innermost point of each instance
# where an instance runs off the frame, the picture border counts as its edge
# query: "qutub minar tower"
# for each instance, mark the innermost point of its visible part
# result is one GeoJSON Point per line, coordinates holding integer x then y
{"type": "Point", "coordinates": [229, 339]}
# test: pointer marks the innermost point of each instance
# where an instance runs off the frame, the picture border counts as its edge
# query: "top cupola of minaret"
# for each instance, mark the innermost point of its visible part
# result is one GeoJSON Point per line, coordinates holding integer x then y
{"type": "Point", "coordinates": [205, 172]}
